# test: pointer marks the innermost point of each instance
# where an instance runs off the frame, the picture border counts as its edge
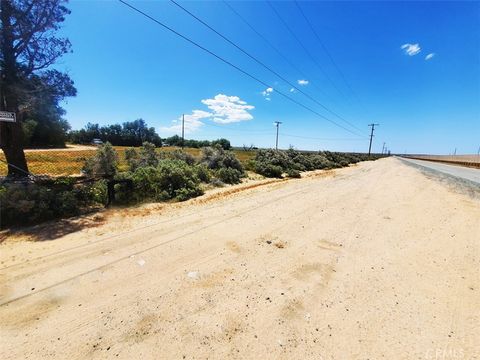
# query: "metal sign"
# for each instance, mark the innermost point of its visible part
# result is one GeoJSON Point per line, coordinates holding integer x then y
{"type": "Point", "coordinates": [7, 116]}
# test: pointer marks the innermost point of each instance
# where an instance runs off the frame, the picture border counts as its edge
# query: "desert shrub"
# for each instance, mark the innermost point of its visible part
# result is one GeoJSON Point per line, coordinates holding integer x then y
{"type": "Point", "coordinates": [293, 173]}
{"type": "Point", "coordinates": [229, 175]}
{"type": "Point", "coordinates": [268, 170]}
{"type": "Point", "coordinates": [171, 179]}
{"type": "Point", "coordinates": [147, 155]}
{"type": "Point", "coordinates": [178, 155]}
{"type": "Point", "coordinates": [216, 158]}
{"type": "Point", "coordinates": [131, 157]}
{"type": "Point", "coordinates": [30, 203]}
{"type": "Point", "coordinates": [250, 165]}
{"type": "Point", "coordinates": [104, 163]}
{"type": "Point", "coordinates": [273, 157]}
{"type": "Point", "coordinates": [203, 173]}
{"type": "Point", "coordinates": [319, 162]}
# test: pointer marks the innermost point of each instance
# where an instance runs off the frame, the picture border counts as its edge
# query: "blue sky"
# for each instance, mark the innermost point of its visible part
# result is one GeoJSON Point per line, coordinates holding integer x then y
{"type": "Point", "coordinates": [127, 67]}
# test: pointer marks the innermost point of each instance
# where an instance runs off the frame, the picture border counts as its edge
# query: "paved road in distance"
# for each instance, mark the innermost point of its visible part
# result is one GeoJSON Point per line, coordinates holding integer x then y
{"type": "Point", "coordinates": [465, 173]}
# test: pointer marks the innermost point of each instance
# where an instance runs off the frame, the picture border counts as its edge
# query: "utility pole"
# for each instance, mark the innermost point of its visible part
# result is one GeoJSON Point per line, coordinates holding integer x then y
{"type": "Point", "coordinates": [277, 124]}
{"type": "Point", "coordinates": [384, 149]}
{"type": "Point", "coordinates": [371, 137]}
{"type": "Point", "coordinates": [183, 131]}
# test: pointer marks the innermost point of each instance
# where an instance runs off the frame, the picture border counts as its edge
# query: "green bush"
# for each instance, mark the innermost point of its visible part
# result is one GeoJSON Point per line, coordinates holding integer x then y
{"type": "Point", "coordinates": [216, 158]}
{"type": "Point", "coordinates": [268, 170]}
{"type": "Point", "coordinates": [104, 163]}
{"type": "Point", "coordinates": [171, 179]}
{"type": "Point", "coordinates": [178, 155]}
{"type": "Point", "coordinates": [147, 155]}
{"type": "Point", "coordinates": [30, 203]}
{"type": "Point", "coordinates": [229, 175]}
{"type": "Point", "coordinates": [131, 157]}
{"type": "Point", "coordinates": [203, 173]}
{"type": "Point", "coordinates": [293, 173]}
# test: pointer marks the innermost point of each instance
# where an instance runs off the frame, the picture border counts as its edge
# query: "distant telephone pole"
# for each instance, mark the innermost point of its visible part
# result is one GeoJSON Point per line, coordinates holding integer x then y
{"type": "Point", "coordinates": [277, 124]}
{"type": "Point", "coordinates": [183, 131]}
{"type": "Point", "coordinates": [384, 149]}
{"type": "Point", "coordinates": [371, 137]}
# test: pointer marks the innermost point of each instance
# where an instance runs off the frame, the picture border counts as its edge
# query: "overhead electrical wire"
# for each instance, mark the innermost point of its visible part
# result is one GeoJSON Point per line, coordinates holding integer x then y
{"type": "Point", "coordinates": [273, 47]}
{"type": "Point", "coordinates": [344, 78]}
{"type": "Point", "coordinates": [304, 48]}
{"type": "Point", "coordinates": [272, 132]}
{"type": "Point", "coordinates": [233, 65]}
{"type": "Point", "coordinates": [254, 58]}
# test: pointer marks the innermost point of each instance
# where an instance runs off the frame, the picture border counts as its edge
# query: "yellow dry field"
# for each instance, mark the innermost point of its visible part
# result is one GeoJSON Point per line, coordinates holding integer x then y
{"type": "Point", "coordinates": [69, 161]}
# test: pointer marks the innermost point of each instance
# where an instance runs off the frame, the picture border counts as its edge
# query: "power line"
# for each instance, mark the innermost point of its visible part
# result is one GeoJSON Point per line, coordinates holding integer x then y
{"type": "Point", "coordinates": [304, 48]}
{"type": "Point", "coordinates": [318, 138]}
{"type": "Point", "coordinates": [262, 64]}
{"type": "Point", "coordinates": [233, 65]}
{"type": "Point", "coordinates": [344, 78]}
{"type": "Point", "coordinates": [273, 47]}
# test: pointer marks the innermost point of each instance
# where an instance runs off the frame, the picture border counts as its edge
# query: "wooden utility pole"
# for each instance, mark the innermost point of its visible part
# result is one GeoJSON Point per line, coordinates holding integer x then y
{"type": "Point", "coordinates": [277, 124]}
{"type": "Point", "coordinates": [371, 137]}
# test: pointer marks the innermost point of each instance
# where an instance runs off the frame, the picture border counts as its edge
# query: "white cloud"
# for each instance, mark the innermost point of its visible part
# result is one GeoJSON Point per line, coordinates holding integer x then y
{"type": "Point", "coordinates": [429, 56]}
{"type": "Point", "coordinates": [192, 122]}
{"type": "Point", "coordinates": [229, 109]}
{"type": "Point", "coordinates": [266, 93]}
{"type": "Point", "coordinates": [411, 49]}
{"type": "Point", "coordinates": [302, 82]}
{"type": "Point", "coordinates": [224, 110]}
{"type": "Point", "coordinates": [292, 90]}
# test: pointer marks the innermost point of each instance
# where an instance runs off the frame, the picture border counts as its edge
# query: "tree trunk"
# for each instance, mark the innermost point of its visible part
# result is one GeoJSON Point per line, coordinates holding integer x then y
{"type": "Point", "coordinates": [11, 134]}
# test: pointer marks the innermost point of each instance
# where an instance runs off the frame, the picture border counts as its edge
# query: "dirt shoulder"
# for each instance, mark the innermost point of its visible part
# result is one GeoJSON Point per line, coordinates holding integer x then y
{"type": "Point", "coordinates": [374, 261]}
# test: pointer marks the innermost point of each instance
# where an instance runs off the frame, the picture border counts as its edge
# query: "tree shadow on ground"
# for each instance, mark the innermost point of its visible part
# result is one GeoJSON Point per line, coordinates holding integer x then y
{"type": "Point", "coordinates": [55, 229]}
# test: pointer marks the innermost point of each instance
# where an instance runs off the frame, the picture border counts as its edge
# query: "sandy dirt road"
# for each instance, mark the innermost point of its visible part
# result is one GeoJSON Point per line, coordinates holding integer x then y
{"type": "Point", "coordinates": [376, 261]}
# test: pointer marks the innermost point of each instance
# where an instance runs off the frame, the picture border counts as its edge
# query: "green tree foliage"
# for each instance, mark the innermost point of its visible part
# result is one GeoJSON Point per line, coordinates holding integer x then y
{"type": "Point", "coordinates": [104, 163]}
{"type": "Point", "coordinates": [28, 85]}
{"type": "Point", "coordinates": [171, 179]}
{"type": "Point", "coordinates": [130, 133]}
{"type": "Point", "coordinates": [29, 203]}
{"type": "Point", "coordinates": [176, 140]}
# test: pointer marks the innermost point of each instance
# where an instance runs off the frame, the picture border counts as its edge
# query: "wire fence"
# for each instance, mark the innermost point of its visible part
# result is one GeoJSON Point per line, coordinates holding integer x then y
{"type": "Point", "coordinates": [70, 161]}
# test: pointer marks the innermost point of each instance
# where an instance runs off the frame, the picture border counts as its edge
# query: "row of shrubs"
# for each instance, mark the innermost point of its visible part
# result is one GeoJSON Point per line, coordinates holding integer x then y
{"type": "Point", "coordinates": [155, 176]}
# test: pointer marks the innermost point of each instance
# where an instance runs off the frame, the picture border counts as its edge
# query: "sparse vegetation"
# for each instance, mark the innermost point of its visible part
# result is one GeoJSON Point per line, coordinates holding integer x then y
{"type": "Point", "coordinates": [30, 203]}
{"type": "Point", "coordinates": [155, 174]}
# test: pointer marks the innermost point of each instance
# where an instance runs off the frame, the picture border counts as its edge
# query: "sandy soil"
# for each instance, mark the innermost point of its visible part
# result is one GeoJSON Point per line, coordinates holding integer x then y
{"type": "Point", "coordinates": [69, 147]}
{"type": "Point", "coordinates": [375, 261]}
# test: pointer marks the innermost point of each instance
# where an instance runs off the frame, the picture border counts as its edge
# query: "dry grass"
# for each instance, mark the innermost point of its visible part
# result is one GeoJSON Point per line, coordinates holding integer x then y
{"type": "Point", "coordinates": [70, 162]}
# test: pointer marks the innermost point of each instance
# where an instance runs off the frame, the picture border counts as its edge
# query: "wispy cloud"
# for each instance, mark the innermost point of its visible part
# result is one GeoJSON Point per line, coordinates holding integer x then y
{"type": "Point", "coordinates": [411, 49]}
{"type": "Point", "coordinates": [228, 109]}
{"type": "Point", "coordinates": [267, 92]}
{"type": "Point", "coordinates": [302, 82]}
{"type": "Point", "coordinates": [292, 90]}
{"type": "Point", "coordinates": [429, 56]}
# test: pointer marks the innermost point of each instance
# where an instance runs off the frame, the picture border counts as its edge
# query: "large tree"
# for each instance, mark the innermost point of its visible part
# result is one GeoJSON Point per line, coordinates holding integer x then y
{"type": "Point", "coordinates": [28, 47]}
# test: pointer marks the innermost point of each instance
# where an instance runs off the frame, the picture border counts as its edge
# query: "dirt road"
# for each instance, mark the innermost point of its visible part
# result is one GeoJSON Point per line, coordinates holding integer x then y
{"type": "Point", "coordinates": [375, 261]}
